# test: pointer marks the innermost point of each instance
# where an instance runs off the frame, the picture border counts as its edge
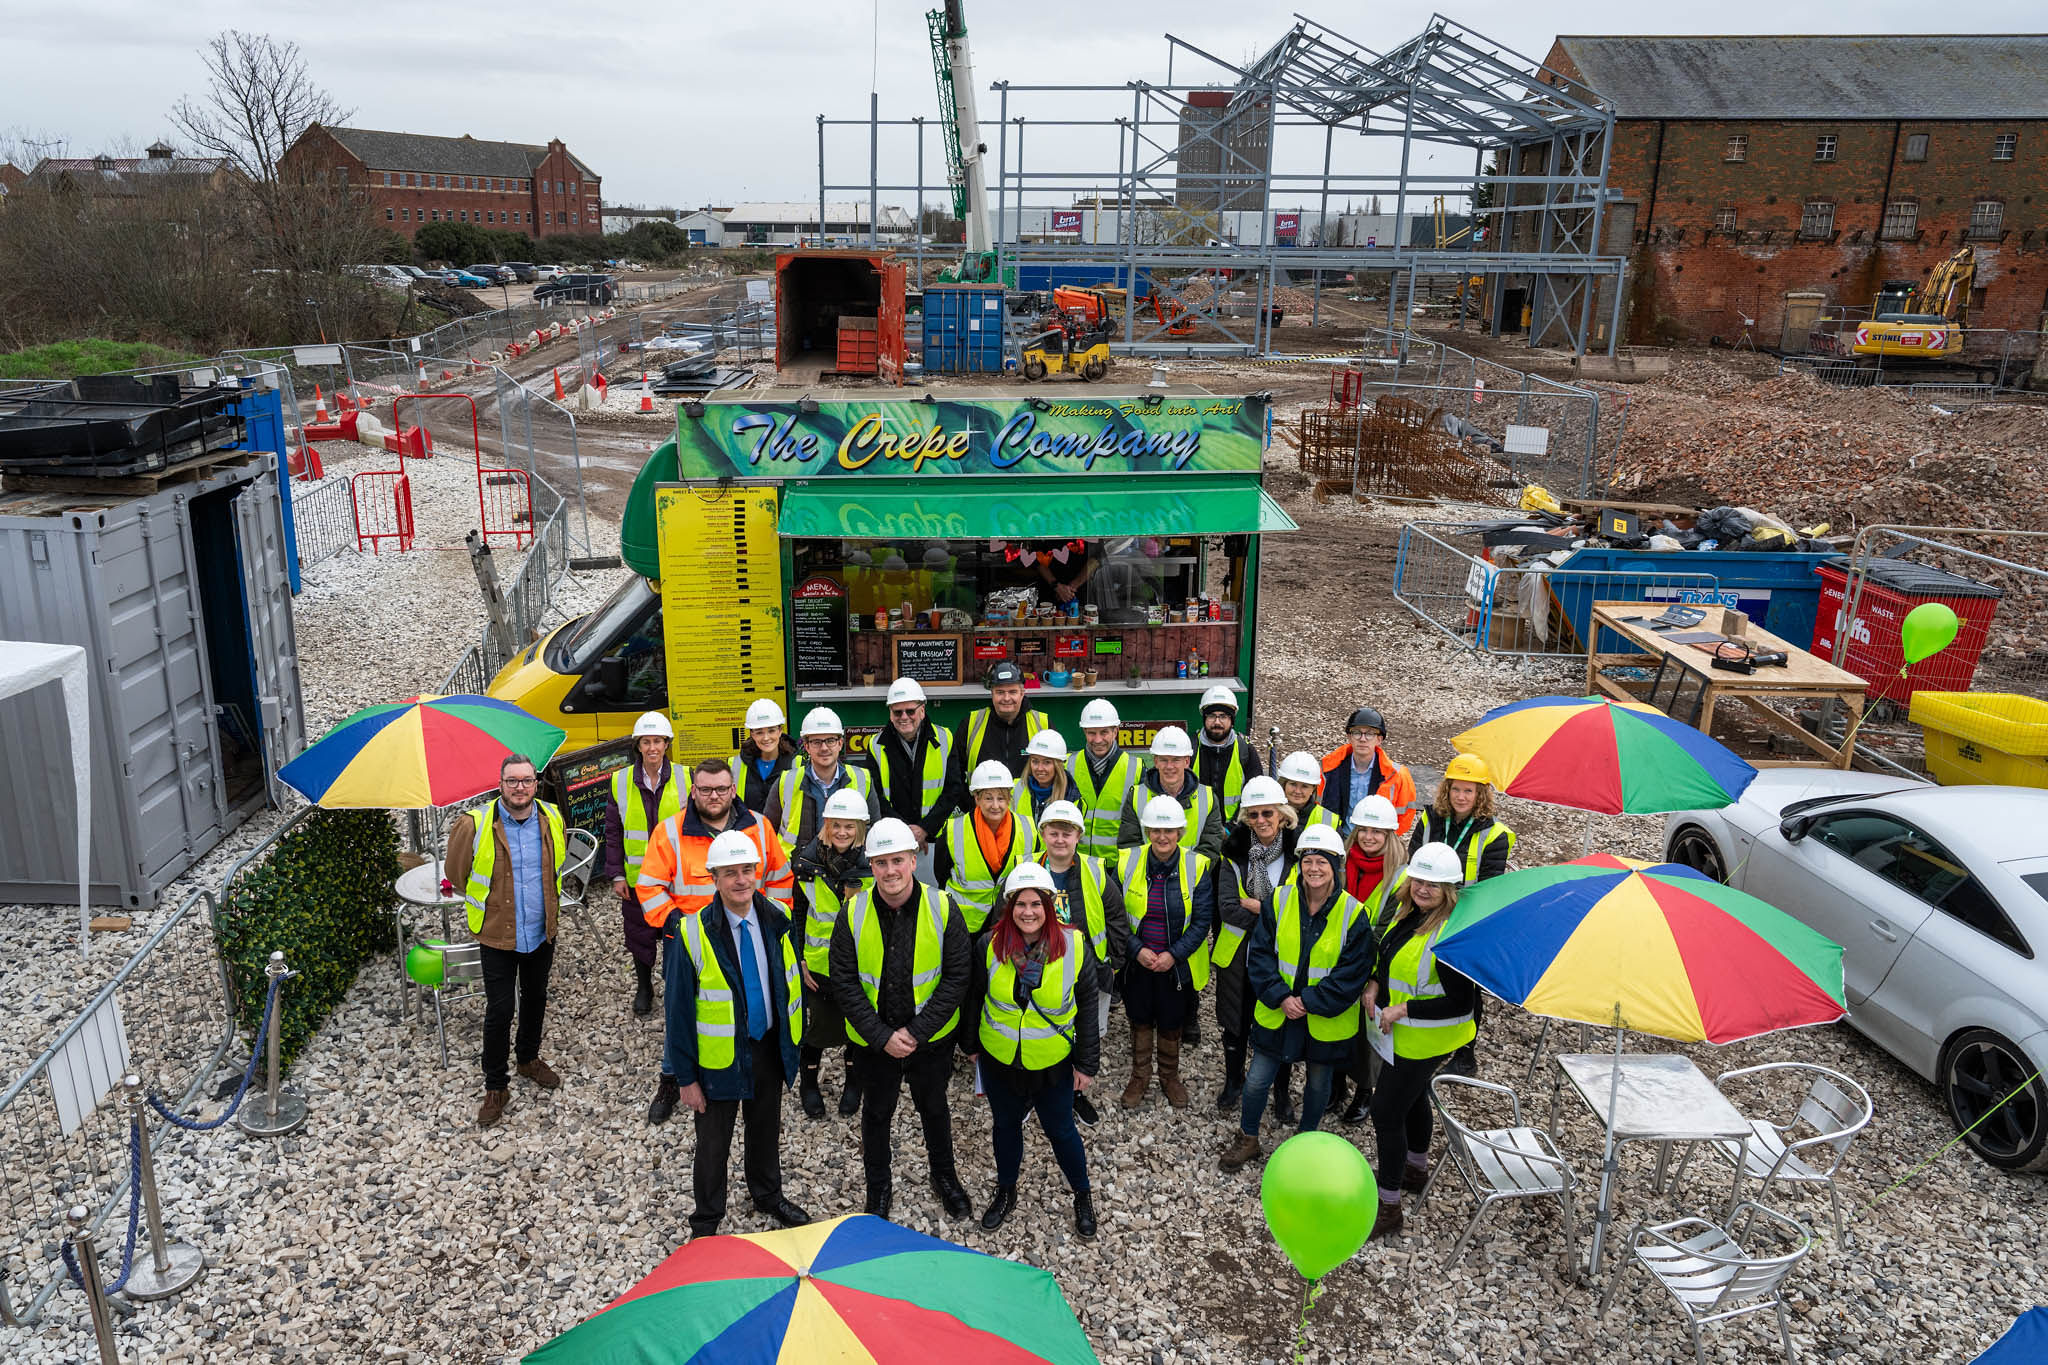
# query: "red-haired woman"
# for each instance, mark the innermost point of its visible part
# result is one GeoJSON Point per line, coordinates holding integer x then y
{"type": "Point", "coordinates": [1032, 1005]}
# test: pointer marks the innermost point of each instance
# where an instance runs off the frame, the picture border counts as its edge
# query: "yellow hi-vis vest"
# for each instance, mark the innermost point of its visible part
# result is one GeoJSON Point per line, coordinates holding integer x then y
{"type": "Point", "coordinates": [1382, 896]}
{"type": "Point", "coordinates": [1492, 834]}
{"type": "Point", "coordinates": [820, 921]}
{"type": "Point", "coordinates": [936, 759]}
{"type": "Point", "coordinates": [1412, 975]}
{"type": "Point", "coordinates": [478, 888]}
{"type": "Point", "coordinates": [974, 885]}
{"type": "Point", "coordinates": [1197, 806]}
{"type": "Point", "coordinates": [1102, 809]}
{"type": "Point", "coordinates": [976, 730]}
{"type": "Point", "coordinates": [1319, 815]}
{"type": "Point", "coordinates": [1188, 873]}
{"type": "Point", "coordinates": [791, 783]}
{"type": "Point", "coordinates": [1037, 1034]}
{"type": "Point", "coordinates": [933, 910]}
{"type": "Point", "coordinates": [633, 811]}
{"type": "Point", "coordinates": [717, 1015]}
{"type": "Point", "coordinates": [1092, 920]}
{"type": "Point", "coordinates": [1322, 960]}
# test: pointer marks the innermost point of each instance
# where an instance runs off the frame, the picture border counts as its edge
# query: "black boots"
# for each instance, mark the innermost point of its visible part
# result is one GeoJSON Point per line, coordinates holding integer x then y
{"type": "Point", "coordinates": [1084, 1112]}
{"type": "Point", "coordinates": [807, 1086]}
{"type": "Point", "coordinates": [999, 1207]}
{"type": "Point", "coordinates": [849, 1098]}
{"type": "Point", "coordinates": [1084, 1214]}
{"type": "Point", "coordinates": [1361, 1104]}
{"type": "Point", "coordinates": [1233, 1078]}
{"type": "Point", "coordinates": [667, 1096]}
{"type": "Point", "coordinates": [643, 993]}
{"type": "Point", "coordinates": [1283, 1096]}
{"type": "Point", "coordinates": [953, 1195]}
{"type": "Point", "coordinates": [880, 1196]}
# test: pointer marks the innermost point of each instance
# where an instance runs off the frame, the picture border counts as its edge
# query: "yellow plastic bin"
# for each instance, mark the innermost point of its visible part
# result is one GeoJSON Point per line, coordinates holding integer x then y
{"type": "Point", "coordinates": [1984, 737]}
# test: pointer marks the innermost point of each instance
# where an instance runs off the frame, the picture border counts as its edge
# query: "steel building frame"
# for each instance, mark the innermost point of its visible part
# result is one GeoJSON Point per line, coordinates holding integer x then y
{"type": "Point", "coordinates": [1540, 147]}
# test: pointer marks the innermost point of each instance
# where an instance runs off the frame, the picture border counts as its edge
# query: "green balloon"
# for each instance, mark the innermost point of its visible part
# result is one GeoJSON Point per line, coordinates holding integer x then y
{"type": "Point", "coordinates": [1928, 629]}
{"type": "Point", "coordinates": [1321, 1200]}
{"type": "Point", "coordinates": [423, 964]}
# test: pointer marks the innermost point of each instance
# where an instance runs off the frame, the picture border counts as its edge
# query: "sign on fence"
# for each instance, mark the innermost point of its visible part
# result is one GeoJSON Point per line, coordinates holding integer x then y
{"type": "Point", "coordinates": [88, 1064]}
{"type": "Point", "coordinates": [1527, 440]}
{"type": "Point", "coordinates": [303, 356]}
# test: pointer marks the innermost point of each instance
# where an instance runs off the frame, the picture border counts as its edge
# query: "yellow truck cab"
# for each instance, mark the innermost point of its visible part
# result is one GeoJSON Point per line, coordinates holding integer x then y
{"type": "Point", "coordinates": [595, 675]}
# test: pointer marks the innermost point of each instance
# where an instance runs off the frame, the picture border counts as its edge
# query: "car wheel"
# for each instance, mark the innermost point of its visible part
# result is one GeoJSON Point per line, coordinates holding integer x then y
{"type": "Point", "coordinates": [1996, 1100]}
{"type": "Point", "coordinates": [1695, 848]}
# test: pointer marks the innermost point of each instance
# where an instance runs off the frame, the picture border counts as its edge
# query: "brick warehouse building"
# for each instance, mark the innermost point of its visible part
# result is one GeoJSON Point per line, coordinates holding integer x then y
{"type": "Point", "coordinates": [1748, 169]}
{"type": "Point", "coordinates": [414, 178]}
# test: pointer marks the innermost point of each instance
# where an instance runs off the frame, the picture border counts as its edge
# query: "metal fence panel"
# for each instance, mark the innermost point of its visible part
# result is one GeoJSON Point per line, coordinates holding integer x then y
{"type": "Point", "coordinates": [323, 518]}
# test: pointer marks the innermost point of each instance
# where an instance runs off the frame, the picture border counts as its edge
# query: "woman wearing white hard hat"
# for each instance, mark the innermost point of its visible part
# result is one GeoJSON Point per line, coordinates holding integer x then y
{"type": "Point", "coordinates": [1425, 1007]}
{"type": "Point", "coordinates": [1032, 1027]}
{"type": "Point", "coordinates": [1259, 855]}
{"type": "Point", "coordinates": [1309, 959]}
{"type": "Point", "coordinates": [1375, 860]}
{"type": "Point", "coordinates": [642, 795]}
{"type": "Point", "coordinates": [1085, 897]}
{"type": "Point", "coordinates": [983, 844]}
{"type": "Point", "coordinates": [1169, 902]}
{"type": "Point", "coordinates": [1302, 779]}
{"type": "Point", "coordinates": [1461, 816]}
{"type": "Point", "coordinates": [763, 755]}
{"type": "Point", "coordinates": [1045, 774]}
{"type": "Point", "coordinates": [829, 869]}
{"type": "Point", "coordinates": [797, 803]}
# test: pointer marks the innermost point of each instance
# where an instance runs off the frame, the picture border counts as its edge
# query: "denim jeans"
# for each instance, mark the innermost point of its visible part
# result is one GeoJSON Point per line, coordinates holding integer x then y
{"type": "Point", "coordinates": [1054, 1105]}
{"type": "Point", "coordinates": [1258, 1083]}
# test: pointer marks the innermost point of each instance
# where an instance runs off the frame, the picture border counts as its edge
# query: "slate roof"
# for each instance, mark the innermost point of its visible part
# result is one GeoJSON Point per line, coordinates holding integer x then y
{"type": "Point", "coordinates": [1906, 76]}
{"type": "Point", "coordinates": [120, 175]}
{"type": "Point", "coordinates": [453, 155]}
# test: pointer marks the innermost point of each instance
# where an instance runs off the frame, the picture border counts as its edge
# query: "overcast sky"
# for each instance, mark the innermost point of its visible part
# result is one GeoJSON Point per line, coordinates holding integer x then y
{"type": "Point", "coordinates": [681, 103]}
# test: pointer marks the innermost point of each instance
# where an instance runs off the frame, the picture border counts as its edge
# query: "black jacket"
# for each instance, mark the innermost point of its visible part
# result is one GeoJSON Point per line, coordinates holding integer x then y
{"type": "Point", "coordinates": [754, 790]}
{"type": "Point", "coordinates": [902, 795]}
{"type": "Point", "coordinates": [735, 1082]}
{"type": "Point", "coordinates": [1086, 1051]}
{"type": "Point", "coordinates": [1186, 925]}
{"type": "Point", "coordinates": [846, 871]}
{"type": "Point", "coordinates": [899, 949]}
{"type": "Point", "coordinates": [1291, 1042]}
{"type": "Point", "coordinates": [1002, 741]}
{"type": "Point", "coordinates": [1230, 879]}
{"type": "Point", "coordinates": [1130, 831]}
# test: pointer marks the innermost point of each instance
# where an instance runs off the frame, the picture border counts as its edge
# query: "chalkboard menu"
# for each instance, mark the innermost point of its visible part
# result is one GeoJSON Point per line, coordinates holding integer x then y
{"type": "Point", "coordinates": [931, 659]}
{"type": "Point", "coordinates": [578, 782]}
{"type": "Point", "coordinates": [817, 611]}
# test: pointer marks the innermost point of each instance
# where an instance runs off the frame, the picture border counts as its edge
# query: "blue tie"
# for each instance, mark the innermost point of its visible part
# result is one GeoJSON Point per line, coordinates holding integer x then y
{"type": "Point", "coordinates": [757, 1002]}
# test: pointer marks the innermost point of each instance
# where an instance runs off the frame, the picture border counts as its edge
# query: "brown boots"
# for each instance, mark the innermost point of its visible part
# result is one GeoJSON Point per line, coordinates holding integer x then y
{"type": "Point", "coordinates": [1245, 1149]}
{"type": "Point", "coordinates": [1141, 1067]}
{"type": "Point", "coordinates": [1169, 1068]}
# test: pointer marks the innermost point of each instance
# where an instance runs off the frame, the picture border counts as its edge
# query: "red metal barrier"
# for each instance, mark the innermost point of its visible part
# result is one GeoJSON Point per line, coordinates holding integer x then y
{"type": "Point", "coordinates": [383, 507]}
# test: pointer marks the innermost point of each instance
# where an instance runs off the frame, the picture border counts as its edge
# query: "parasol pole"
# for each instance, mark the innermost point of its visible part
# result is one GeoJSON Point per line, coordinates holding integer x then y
{"type": "Point", "coordinates": [1586, 851]}
{"type": "Point", "coordinates": [1610, 1165]}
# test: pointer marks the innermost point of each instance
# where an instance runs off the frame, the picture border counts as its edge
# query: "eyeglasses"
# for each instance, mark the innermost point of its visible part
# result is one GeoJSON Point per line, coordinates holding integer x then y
{"type": "Point", "coordinates": [519, 781]}
{"type": "Point", "coordinates": [815, 740]}
{"type": "Point", "coordinates": [905, 710]}
{"type": "Point", "coordinates": [1266, 813]}
{"type": "Point", "coordinates": [715, 791]}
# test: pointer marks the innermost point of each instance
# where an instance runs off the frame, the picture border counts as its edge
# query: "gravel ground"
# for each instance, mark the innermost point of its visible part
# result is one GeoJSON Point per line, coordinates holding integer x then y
{"type": "Point", "coordinates": [390, 1228]}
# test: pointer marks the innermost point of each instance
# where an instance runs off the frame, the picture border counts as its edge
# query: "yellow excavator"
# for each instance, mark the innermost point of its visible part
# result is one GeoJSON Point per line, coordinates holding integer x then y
{"type": "Point", "coordinates": [1923, 322]}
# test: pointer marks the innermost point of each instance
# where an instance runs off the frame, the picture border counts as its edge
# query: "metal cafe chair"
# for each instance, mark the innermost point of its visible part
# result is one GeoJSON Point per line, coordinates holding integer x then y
{"type": "Point", "coordinates": [1807, 1148]}
{"type": "Point", "coordinates": [1709, 1272]}
{"type": "Point", "coordinates": [1515, 1162]}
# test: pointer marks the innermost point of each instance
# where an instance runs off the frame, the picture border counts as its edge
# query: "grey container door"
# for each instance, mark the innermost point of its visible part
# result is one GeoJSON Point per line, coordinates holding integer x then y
{"type": "Point", "coordinates": [273, 646]}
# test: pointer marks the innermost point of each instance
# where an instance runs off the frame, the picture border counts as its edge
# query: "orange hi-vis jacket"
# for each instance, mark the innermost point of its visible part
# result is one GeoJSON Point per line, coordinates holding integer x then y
{"type": "Point", "coordinates": [674, 879]}
{"type": "Point", "coordinates": [1398, 786]}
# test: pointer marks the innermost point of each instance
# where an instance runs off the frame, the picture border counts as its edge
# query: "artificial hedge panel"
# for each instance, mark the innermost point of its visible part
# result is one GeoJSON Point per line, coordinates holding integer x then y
{"type": "Point", "coordinates": [323, 897]}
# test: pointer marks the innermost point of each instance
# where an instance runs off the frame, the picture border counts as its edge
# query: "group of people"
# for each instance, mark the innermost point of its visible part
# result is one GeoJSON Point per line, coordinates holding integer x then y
{"type": "Point", "coordinates": [987, 895]}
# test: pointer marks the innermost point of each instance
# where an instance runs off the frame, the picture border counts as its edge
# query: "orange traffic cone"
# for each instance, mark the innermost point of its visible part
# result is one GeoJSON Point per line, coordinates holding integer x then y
{"type": "Point", "coordinates": [319, 406]}
{"type": "Point", "coordinates": [646, 402]}
{"type": "Point", "coordinates": [560, 397]}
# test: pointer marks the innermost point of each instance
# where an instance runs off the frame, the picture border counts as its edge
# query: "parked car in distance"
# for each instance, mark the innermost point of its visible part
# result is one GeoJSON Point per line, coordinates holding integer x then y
{"type": "Point", "coordinates": [1938, 896]}
{"type": "Point", "coordinates": [493, 274]}
{"type": "Point", "coordinates": [577, 289]}
{"type": "Point", "coordinates": [548, 272]}
{"type": "Point", "coordinates": [463, 279]}
{"type": "Point", "coordinates": [522, 271]}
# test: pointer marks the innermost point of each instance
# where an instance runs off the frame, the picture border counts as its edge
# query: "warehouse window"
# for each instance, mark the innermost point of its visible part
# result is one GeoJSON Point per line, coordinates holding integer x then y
{"type": "Point", "coordinates": [1724, 220]}
{"type": "Point", "coordinates": [1987, 218]}
{"type": "Point", "coordinates": [573, 189]}
{"type": "Point", "coordinates": [1817, 219]}
{"type": "Point", "coordinates": [387, 178]}
{"type": "Point", "coordinates": [573, 220]}
{"type": "Point", "coordinates": [405, 215]}
{"type": "Point", "coordinates": [1737, 148]}
{"type": "Point", "coordinates": [547, 218]}
{"type": "Point", "coordinates": [2004, 145]}
{"type": "Point", "coordinates": [390, 215]}
{"type": "Point", "coordinates": [1824, 147]}
{"type": "Point", "coordinates": [1916, 146]}
{"type": "Point", "coordinates": [1901, 219]}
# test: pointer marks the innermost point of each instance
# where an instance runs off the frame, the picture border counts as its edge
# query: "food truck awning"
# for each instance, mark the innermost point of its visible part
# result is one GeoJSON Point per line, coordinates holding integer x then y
{"type": "Point", "coordinates": [976, 509]}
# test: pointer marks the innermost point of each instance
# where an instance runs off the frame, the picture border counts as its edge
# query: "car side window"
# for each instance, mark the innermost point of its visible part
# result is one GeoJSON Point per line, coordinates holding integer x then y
{"type": "Point", "coordinates": [646, 667]}
{"type": "Point", "coordinates": [1915, 862]}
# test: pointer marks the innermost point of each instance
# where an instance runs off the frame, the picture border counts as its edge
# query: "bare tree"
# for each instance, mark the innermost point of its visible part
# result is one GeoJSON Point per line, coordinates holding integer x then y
{"type": "Point", "coordinates": [259, 98]}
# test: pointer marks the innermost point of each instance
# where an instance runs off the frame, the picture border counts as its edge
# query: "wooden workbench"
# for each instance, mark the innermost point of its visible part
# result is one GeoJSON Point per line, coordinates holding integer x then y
{"type": "Point", "coordinates": [1803, 676]}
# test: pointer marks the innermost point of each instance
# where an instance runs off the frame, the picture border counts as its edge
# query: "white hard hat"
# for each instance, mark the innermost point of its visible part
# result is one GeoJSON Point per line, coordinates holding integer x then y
{"type": "Point", "coordinates": [822, 720]}
{"type": "Point", "coordinates": [1028, 875]}
{"type": "Point", "coordinates": [1172, 742]}
{"type": "Point", "coordinates": [1062, 813]}
{"type": "Point", "coordinates": [991, 775]}
{"type": "Point", "coordinates": [1300, 766]}
{"type": "Point", "coordinates": [905, 689]}
{"type": "Point", "coordinates": [1374, 812]}
{"type": "Point", "coordinates": [1219, 695]}
{"type": "Point", "coordinates": [1436, 862]}
{"type": "Point", "coordinates": [764, 713]}
{"type": "Point", "coordinates": [846, 804]}
{"type": "Point", "coordinates": [732, 849]}
{"type": "Point", "coordinates": [1262, 791]}
{"type": "Point", "coordinates": [653, 723]}
{"type": "Point", "coordinates": [1163, 812]}
{"type": "Point", "coordinates": [1320, 839]}
{"type": "Point", "coordinates": [890, 835]}
{"type": "Point", "coordinates": [1047, 744]}
{"type": "Point", "coordinates": [1099, 714]}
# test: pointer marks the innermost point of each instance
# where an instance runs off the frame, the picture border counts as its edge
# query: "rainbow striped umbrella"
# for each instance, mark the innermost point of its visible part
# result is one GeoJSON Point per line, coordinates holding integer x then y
{"type": "Point", "coordinates": [420, 752]}
{"type": "Point", "coordinates": [1676, 953]}
{"type": "Point", "coordinates": [853, 1291]}
{"type": "Point", "coordinates": [1596, 754]}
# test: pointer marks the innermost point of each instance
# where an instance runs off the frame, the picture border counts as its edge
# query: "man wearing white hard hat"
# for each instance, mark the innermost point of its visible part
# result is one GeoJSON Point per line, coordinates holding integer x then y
{"type": "Point", "coordinates": [1172, 774]}
{"type": "Point", "coordinates": [1044, 779]}
{"type": "Point", "coordinates": [1087, 898]}
{"type": "Point", "coordinates": [643, 794]}
{"type": "Point", "coordinates": [1169, 901]}
{"type": "Point", "coordinates": [1224, 759]}
{"type": "Point", "coordinates": [983, 844]}
{"type": "Point", "coordinates": [735, 1022]}
{"type": "Point", "coordinates": [912, 763]}
{"type": "Point", "coordinates": [763, 755]}
{"type": "Point", "coordinates": [1258, 857]}
{"type": "Point", "coordinates": [1102, 777]}
{"type": "Point", "coordinates": [798, 802]}
{"type": "Point", "coordinates": [829, 870]}
{"type": "Point", "coordinates": [1302, 780]}
{"type": "Point", "coordinates": [900, 964]}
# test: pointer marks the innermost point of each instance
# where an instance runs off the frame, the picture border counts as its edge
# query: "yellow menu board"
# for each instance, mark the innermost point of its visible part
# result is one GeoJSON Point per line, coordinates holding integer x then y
{"type": "Point", "coordinates": [721, 610]}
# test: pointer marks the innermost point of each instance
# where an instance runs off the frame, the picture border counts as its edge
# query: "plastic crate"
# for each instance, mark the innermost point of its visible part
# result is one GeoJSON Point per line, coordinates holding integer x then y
{"type": "Point", "coordinates": [1999, 738]}
{"type": "Point", "coordinates": [1875, 652]}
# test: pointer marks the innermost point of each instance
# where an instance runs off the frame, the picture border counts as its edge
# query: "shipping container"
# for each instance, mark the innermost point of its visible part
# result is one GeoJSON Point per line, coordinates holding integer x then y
{"type": "Point", "coordinates": [815, 289]}
{"type": "Point", "coordinates": [963, 329]}
{"type": "Point", "coordinates": [182, 601]}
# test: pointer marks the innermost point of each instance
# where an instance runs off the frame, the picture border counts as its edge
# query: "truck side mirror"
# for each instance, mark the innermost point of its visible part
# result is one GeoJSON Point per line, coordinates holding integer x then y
{"type": "Point", "coordinates": [610, 681]}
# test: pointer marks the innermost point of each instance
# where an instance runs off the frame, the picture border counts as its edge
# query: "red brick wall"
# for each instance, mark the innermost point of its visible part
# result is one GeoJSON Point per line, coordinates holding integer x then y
{"type": "Point", "coordinates": [536, 209]}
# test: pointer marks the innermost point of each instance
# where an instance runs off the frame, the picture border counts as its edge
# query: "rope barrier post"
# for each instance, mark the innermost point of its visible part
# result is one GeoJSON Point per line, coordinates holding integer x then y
{"type": "Point", "coordinates": [282, 1111]}
{"type": "Point", "coordinates": [172, 1264]}
{"type": "Point", "coordinates": [89, 1276]}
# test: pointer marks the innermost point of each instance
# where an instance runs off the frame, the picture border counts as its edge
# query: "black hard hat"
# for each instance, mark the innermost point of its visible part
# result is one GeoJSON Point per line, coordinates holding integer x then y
{"type": "Point", "coordinates": [1005, 672]}
{"type": "Point", "coordinates": [1366, 718]}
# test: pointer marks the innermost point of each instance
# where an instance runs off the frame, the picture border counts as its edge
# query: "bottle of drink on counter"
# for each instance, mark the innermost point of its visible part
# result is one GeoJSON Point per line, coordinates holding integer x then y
{"type": "Point", "coordinates": [1194, 662]}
